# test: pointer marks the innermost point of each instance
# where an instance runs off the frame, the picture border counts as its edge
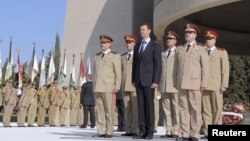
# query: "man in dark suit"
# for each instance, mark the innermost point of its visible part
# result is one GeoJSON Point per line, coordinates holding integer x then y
{"type": "Point", "coordinates": [120, 112]}
{"type": "Point", "coordinates": [88, 102]}
{"type": "Point", "coordinates": [146, 73]}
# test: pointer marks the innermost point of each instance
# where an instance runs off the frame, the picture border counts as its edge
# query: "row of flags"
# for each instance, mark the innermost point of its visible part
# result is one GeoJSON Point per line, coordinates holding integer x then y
{"type": "Point", "coordinates": [33, 70]}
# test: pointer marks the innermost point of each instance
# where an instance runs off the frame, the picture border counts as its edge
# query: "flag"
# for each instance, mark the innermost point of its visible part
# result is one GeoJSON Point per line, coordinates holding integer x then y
{"type": "Point", "coordinates": [9, 70]}
{"type": "Point", "coordinates": [72, 76]}
{"type": "Point", "coordinates": [42, 80]}
{"type": "Point", "coordinates": [89, 66]}
{"type": "Point", "coordinates": [19, 71]}
{"type": "Point", "coordinates": [19, 76]}
{"type": "Point", "coordinates": [51, 70]}
{"type": "Point", "coordinates": [33, 68]}
{"type": "Point", "coordinates": [63, 72]}
{"type": "Point", "coordinates": [82, 76]}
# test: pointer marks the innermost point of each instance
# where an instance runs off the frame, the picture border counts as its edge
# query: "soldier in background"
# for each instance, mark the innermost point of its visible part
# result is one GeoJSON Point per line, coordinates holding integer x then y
{"type": "Point", "coordinates": [212, 98]}
{"type": "Point", "coordinates": [54, 102]}
{"type": "Point", "coordinates": [23, 105]}
{"type": "Point", "coordinates": [64, 101]}
{"type": "Point", "coordinates": [74, 105]}
{"type": "Point", "coordinates": [120, 112]}
{"type": "Point", "coordinates": [169, 94]}
{"type": "Point", "coordinates": [88, 102]}
{"type": "Point", "coordinates": [129, 93]}
{"type": "Point", "coordinates": [1, 98]}
{"type": "Point", "coordinates": [156, 108]}
{"type": "Point", "coordinates": [191, 72]}
{"type": "Point", "coordinates": [107, 81]}
{"type": "Point", "coordinates": [32, 111]}
{"type": "Point", "coordinates": [9, 94]}
{"type": "Point", "coordinates": [43, 105]}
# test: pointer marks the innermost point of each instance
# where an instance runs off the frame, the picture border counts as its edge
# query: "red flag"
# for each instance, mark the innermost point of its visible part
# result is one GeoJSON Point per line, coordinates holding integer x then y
{"type": "Point", "coordinates": [82, 77]}
{"type": "Point", "coordinates": [20, 76]}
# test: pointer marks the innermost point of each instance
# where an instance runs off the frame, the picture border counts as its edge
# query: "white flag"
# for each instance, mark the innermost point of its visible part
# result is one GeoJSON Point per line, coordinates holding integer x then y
{"type": "Point", "coordinates": [51, 70]}
{"type": "Point", "coordinates": [35, 68]}
{"type": "Point", "coordinates": [89, 66]}
{"type": "Point", "coordinates": [42, 80]}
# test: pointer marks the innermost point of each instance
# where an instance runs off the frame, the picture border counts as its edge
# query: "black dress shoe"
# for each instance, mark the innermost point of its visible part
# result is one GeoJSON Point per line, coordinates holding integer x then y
{"type": "Point", "coordinates": [127, 134]}
{"type": "Point", "coordinates": [166, 136]}
{"type": "Point", "coordinates": [139, 136]}
{"type": "Point", "coordinates": [204, 137]}
{"type": "Point", "coordinates": [92, 126]}
{"type": "Point", "coordinates": [108, 136]}
{"type": "Point", "coordinates": [84, 126]}
{"type": "Point", "coordinates": [183, 139]}
{"type": "Point", "coordinates": [149, 137]}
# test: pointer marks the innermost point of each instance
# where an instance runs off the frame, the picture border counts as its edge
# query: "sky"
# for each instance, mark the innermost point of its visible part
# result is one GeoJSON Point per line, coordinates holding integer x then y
{"type": "Point", "coordinates": [29, 21]}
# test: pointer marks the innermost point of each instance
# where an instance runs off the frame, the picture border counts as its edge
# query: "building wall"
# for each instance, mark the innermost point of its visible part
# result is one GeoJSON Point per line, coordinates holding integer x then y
{"type": "Point", "coordinates": [86, 20]}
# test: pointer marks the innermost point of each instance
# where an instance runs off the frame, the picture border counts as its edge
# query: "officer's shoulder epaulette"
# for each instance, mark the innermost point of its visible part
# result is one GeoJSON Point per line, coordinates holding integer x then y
{"type": "Point", "coordinates": [222, 49]}
{"type": "Point", "coordinates": [114, 52]}
{"type": "Point", "coordinates": [125, 53]}
{"type": "Point", "coordinates": [200, 44]}
{"type": "Point", "coordinates": [99, 53]}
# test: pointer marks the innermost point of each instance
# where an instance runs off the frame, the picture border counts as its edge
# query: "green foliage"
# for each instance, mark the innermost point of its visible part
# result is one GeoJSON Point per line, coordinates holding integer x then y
{"type": "Point", "coordinates": [238, 89]}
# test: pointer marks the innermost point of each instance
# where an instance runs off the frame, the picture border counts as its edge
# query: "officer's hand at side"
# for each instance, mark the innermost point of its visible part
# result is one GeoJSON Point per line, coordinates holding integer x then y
{"type": "Point", "coordinates": [154, 85]}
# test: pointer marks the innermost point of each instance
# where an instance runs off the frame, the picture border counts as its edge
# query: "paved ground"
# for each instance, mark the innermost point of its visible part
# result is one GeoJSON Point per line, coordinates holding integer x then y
{"type": "Point", "coordinates": [61, 134]}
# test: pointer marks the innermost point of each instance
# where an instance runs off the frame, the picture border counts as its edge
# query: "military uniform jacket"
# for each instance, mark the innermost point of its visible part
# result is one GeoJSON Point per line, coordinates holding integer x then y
{"type": "Point", "coordinates": [218, 69]}
{"type": "Point", "coordinates": [87, 96]}
{"type": "Point", "coordinates": [167, 75]}
{"type": "Point", "coordinates": [24, 100]}
{"type": "Point", "coordinates": [32, 93]}
{"type": "Point", "coordinates": [107, 72]}
{"type": "Point", "coordinates": [191, 67]}
{"type": "Point", "coordinates": [1, 97]}
{"type": "Point", "coordinates": [64, 99]}
{"type": "Point", "coordinates": [74, 99]}
{"type": "Point", "coordinates": [127, 73]}
{"type": "Point", "coordinates": [9, 95]}
{"type": "Point", "coordinates": [53, 96]}
{"type": "Point", "coordinates": [43, 100]}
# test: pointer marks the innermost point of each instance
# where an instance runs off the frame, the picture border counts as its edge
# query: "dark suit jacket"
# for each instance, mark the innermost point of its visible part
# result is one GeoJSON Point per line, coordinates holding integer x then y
{"type": "Point", "coordinates": [87, 96]}
{"type": "Point", "coordinates": [119, 95]}
{"type": "Point", "coordinates": [147, 67]}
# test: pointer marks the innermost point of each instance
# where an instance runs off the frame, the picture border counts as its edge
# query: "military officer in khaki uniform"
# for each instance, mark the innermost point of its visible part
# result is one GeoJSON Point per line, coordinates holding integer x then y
{"type": "Point", "coordinates": [169, 94]}
{"type": "Point", "coordinates": [191, 68]}
{"type": "Point", "coordinates": [54, 102]}
{"type": "Point", "coordinates": [9, 101]}
{"type": "Point", "coordinates": [107, 81]}
{"type": "Point", "coordinates": [1, 98]}
{"type": "Point", "coordinates": [128, 90]}
{"type": "Point", "coordinates": [217, 82]}
{"type": "Point", "coordinates": [64, 101]}
{"type": "Point", "coordinates": [74, 105]}
{"type": "Point", "coordinates": [43, 105]}
{"type": "Point", "coordinates": [23, 105]}
{"type": "Point", "coordinates": [32, 111]}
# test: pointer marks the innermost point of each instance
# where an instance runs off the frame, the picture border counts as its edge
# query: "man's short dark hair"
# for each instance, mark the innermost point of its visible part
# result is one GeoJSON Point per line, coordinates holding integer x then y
{"type": "Point", "coordinates": [147, 24]}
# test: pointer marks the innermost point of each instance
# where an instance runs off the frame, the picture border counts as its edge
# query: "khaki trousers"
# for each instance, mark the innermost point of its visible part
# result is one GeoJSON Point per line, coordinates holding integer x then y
{"type": "Point", "coordinates": [212, 104]}
{"type": "Point", "coordinates": [80, 115]}
{"type": "Point", "coordinates": [190, 112]}
{"type": "Point", "coordinates": [62, 115]}
{"type": "Point", "coordinates": [73, 113]}
{"type": "Point", "coordinates": [170, 105]}
{"type": "Point", "coordinates": [32, 112]}
{"type": "Point", "coordinates": [22, 113]}
{"type": "Point", "coordinates": [156, 110]}
{"type": "Point", "coordinates": [41, 116]}
{"type": "Point", "coordinates": [104, 111]}
{"type": "Point", "coordinates": [8, 109]}
{"type": "Point", "coordinates": [52, 114]}
{"type": "Point", "coordinates": [131, 112]}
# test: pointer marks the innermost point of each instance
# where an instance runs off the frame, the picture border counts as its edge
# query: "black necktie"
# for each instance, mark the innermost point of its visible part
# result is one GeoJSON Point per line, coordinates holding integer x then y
{"type": "Point", "coordinates": [169, 53]}
{"type": "Point", "coordinates": [129, 55]}
{"type": "Point", "coordinates": [103, 55]}
{"type": "Point", "coordinates": [209, 51]}
{"type": "Point", "coordinates": [188, 46]}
